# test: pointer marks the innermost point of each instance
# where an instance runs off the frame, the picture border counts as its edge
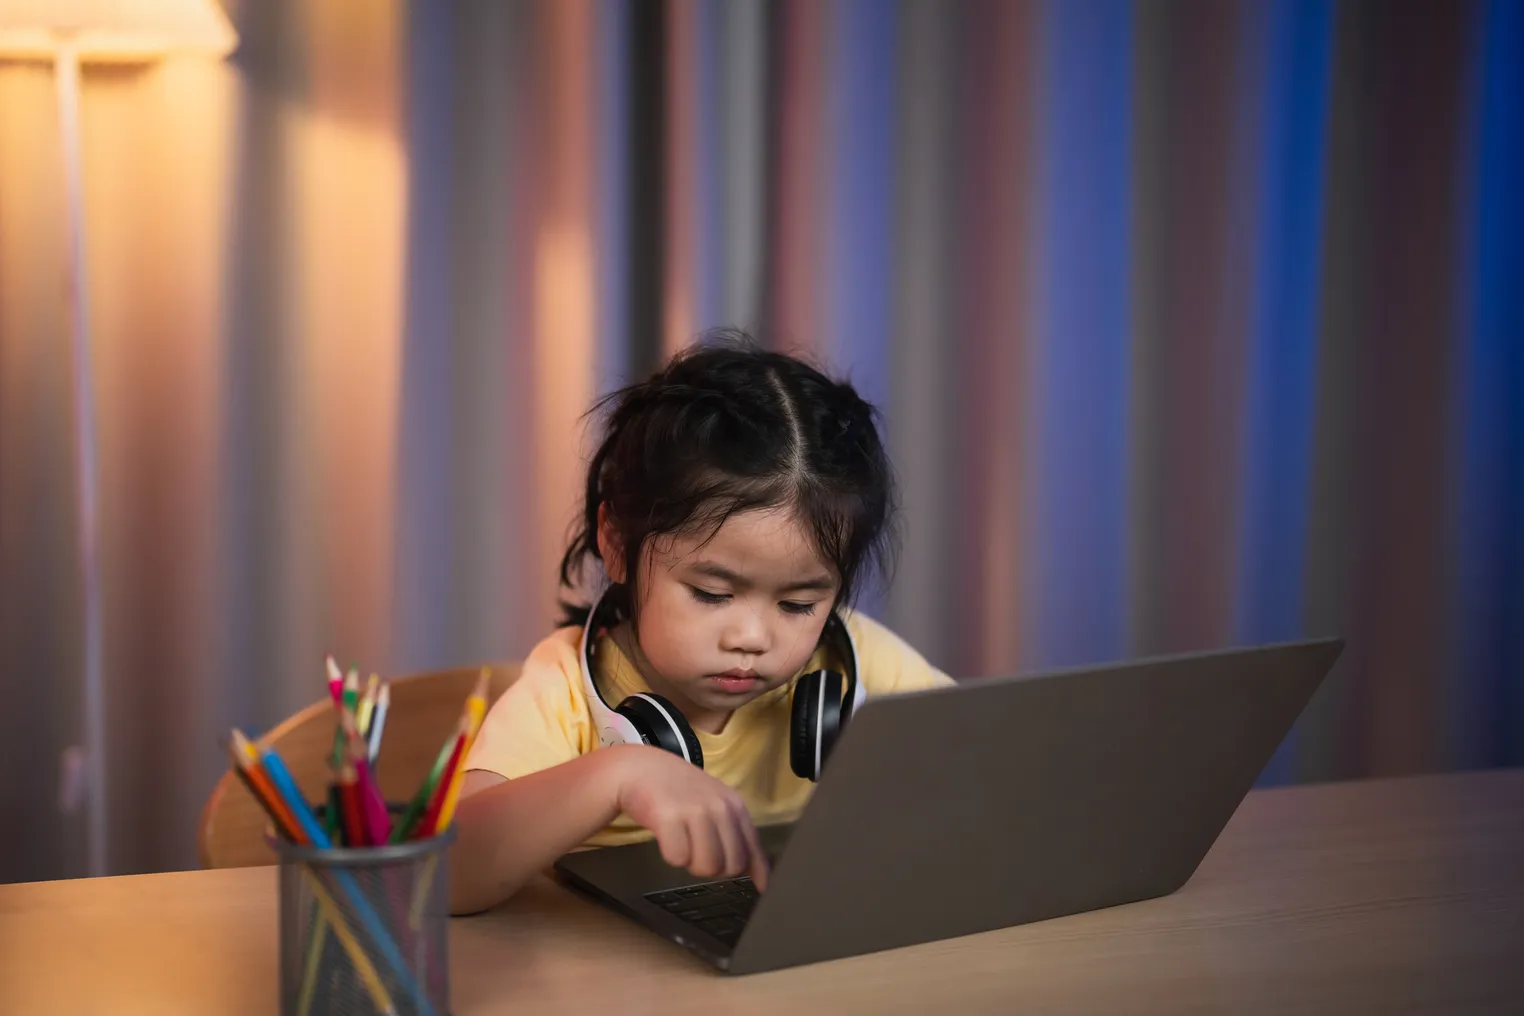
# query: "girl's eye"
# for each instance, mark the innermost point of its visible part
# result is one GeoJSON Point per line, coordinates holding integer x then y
{"type": "Point", "coordinates": [790, 607]}
{"type": "Point", "coordinates": [704, 596]}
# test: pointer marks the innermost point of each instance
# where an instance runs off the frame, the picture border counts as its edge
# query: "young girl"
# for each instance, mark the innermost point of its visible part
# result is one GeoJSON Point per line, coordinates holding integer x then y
{"type": "Point", "coordinates": [734, 505]}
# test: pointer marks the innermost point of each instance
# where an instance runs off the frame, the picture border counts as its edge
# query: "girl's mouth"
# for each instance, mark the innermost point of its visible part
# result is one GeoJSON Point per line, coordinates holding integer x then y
{"type": "Point", "coordinates": [737, 682]}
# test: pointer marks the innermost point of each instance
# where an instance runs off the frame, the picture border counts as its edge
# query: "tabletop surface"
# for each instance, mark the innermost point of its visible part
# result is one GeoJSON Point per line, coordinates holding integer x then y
{"type": "Point", "coordinates": [1401, 895]}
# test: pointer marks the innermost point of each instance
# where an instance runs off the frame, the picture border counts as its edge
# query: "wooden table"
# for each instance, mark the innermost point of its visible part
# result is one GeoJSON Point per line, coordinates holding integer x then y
{"type": "Point", "coordinates": [1380, 896]}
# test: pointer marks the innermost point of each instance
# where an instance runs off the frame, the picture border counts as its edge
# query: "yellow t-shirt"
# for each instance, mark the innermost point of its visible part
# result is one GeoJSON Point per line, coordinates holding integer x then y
{"type": "Point", "coordinates": [543, 719]}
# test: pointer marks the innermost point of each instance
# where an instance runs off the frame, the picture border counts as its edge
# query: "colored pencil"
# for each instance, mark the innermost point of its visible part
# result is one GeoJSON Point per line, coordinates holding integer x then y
{"type": "Point", "coordinates": [258, 786]}
{"type": "Point", "coordinates": [280, 777]}
{"type": "Point", "coordinates": [352, 690]}
{"type": "Point", "coordinates": [285, 786]}
{"type": "Point", "coordinates": [258, 779]}
{"type": "Point", "coordinates": [333, 826]}
{"type": "Point", "coordinates": [349, 700]}
{"type": "Point", "coordinates": [246, 765]}
{"type": "Point", "coordinates": [335, 680]}
{"type": "Point", "coordinates": [419, 805]}
{"type": "Point", "coordinates": [357, 954]}
{"type": "Point", "coordinates": [333, 812]}
{"type": "Point", "coordinates": [426, 828]}
{"type": "Point", "coordinates": [367, 705]}
{"type": "Point", "coordinates": [357, 816]}
{"type": "Point", "coordinates": [349, 804]}
{"type": "Point", "coordinates": [372, 805]}
{"type": "Point", "coordinates": [476, 711]}
{"type": "Point", "coordinates": [378, 823]}
{"type": "Point", "coordinates": [317, 939]}
{"type": "Point", "coordinates": [378, 723]}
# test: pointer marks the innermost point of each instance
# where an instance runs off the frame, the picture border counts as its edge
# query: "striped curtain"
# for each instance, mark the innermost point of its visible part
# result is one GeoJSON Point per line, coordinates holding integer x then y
{"type": "Point", "coordinates": [1194, 323]}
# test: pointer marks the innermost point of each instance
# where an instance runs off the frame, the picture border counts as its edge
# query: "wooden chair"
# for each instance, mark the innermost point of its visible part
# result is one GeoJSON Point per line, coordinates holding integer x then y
{"type": "Point", "coordinates": [424, 710]}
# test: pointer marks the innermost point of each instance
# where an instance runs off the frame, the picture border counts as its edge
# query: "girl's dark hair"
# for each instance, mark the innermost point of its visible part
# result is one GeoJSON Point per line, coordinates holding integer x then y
{"type": "Point", "coordinates": [727, 427]}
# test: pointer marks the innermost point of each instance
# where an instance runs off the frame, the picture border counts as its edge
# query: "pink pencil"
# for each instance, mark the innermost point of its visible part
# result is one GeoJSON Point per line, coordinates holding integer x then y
{"type": "Point", "coordinates": [335, 681]}
{"type": "Point", "coordinates": [378, 826]}
{"type": "Point", "coordinates": [377, 823]}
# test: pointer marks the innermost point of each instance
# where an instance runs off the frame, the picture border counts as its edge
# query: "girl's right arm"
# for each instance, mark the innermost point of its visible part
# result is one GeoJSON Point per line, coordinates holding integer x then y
{"type": "Point", "coordinates": [509, 830]}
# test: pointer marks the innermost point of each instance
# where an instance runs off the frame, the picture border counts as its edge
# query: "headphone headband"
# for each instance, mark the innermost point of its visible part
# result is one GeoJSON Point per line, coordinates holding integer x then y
{"type": "Point", "coordinates": [604, 604]}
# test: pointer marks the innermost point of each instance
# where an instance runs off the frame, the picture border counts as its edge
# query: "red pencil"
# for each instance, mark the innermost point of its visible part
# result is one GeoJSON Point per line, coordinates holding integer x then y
{"type": "Point", "coordinates": [349, 799]}
{"type": "Point", "coordinates": [427, 827]}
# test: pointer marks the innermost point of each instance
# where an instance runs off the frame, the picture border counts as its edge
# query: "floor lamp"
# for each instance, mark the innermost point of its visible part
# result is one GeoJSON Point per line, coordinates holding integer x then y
{"type": "Point", "coordinates": [68, 33]}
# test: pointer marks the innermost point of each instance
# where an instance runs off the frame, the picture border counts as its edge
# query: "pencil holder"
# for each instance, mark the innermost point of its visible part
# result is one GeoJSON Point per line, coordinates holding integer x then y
{"type": "Point", "coordinates": [365, 929]}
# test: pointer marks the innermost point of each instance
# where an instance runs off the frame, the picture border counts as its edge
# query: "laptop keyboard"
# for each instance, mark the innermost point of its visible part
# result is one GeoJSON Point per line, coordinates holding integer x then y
{"type": "Point", "coordinates": [718, 908]}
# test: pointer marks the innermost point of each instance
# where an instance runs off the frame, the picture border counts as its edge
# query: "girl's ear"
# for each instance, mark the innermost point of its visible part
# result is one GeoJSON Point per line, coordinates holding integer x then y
{"type": "Point", "coordinates": [610, 546]}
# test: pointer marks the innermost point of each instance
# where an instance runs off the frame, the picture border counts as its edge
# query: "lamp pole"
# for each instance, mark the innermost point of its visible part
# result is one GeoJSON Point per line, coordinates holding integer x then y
{"type": "Point", "coordinates": [66, 75]}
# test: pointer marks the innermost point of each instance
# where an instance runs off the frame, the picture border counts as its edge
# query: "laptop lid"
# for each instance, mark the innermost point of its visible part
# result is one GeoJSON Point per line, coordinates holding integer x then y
{"type": "Point", "coordinates": [1008, 800]}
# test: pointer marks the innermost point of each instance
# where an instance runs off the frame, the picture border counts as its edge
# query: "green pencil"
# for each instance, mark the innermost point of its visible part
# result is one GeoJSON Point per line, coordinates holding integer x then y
{"type": "Point", "coordinates": [347, 703]}
{"type": "Point", "coordinates": [420, 802]}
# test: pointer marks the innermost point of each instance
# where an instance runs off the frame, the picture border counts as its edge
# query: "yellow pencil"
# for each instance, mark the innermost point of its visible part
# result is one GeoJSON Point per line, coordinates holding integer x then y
{"type": "Point", "coordinates": [476, 710]}
{"type": "Point", "coordinates": [367, 707]}
{"type": "Point", "coordinates": [357, 956]}
{"type": "Point", "coordinates": [314, 957]}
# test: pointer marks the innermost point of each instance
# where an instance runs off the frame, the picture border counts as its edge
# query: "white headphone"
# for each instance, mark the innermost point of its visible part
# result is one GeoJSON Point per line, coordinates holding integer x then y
{"type": "Point", "coordinates": [822, 702]}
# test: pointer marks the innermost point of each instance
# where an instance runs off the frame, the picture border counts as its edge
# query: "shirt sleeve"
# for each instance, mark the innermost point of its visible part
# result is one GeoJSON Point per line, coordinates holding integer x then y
{"type": "Point", "coordinates": [887, 663]}
{"type": "Point", "coordinates": [541, 720]}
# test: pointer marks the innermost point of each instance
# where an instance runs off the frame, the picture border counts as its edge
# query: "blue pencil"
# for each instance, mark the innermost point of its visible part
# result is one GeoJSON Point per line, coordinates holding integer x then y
{"type": "Point", "coordinates": [280, 777]}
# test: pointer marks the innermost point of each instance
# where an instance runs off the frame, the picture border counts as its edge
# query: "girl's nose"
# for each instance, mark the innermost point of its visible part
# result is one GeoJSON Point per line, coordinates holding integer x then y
{"type": "Point", "coordinates": [745, 633]}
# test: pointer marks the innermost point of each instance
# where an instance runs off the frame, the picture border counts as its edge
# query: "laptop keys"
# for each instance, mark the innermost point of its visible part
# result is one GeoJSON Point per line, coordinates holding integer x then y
{"type": "Point", "coordinates": [718, 908]}
{"type": "Point", "coordinates": [726, 929]}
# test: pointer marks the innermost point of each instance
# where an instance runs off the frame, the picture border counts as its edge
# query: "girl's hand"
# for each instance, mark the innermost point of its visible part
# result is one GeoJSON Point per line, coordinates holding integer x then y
{"type": "Point", "coordinates": [699, 822]}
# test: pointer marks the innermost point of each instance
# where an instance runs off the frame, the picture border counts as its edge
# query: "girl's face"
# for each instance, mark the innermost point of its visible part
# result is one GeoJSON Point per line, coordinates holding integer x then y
{"type": "Point", "coordinates": [725, 620]}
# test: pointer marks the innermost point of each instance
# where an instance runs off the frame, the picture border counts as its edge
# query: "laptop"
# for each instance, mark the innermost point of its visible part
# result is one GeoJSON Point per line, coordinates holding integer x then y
{"type": "Point", "coordinates": [996, 802]}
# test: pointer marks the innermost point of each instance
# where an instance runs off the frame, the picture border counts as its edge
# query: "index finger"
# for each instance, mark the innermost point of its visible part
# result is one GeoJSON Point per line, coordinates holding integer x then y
{"type": "Point", "coordinates": [757, 865]}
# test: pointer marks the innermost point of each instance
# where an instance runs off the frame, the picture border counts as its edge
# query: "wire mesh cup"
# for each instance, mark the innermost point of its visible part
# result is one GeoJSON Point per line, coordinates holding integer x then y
{"type": "Point", "coordinates": [365, 929]}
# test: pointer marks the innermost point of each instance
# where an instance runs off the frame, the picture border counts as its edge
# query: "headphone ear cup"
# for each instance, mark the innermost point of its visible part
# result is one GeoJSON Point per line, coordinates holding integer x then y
{"type": "Point", "coordinates": [661, 725]}
{"type": "Point", "coordinates": [850, 697]}
{"type": "Point", "coordinates": [823, 702]}
{"type": "Point", "coordinates": [802, 721]}
{"type": "Point", "coordinates": [837, 709]}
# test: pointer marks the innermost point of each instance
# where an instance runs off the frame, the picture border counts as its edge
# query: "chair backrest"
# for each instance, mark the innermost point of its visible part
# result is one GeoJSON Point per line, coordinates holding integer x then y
{"type": "Point", "coordinates": [425, 709]}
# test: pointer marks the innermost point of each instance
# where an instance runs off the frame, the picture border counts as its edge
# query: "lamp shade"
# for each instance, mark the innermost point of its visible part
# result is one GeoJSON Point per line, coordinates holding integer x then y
{"type": "Point", "coordinates": [119, 30]}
